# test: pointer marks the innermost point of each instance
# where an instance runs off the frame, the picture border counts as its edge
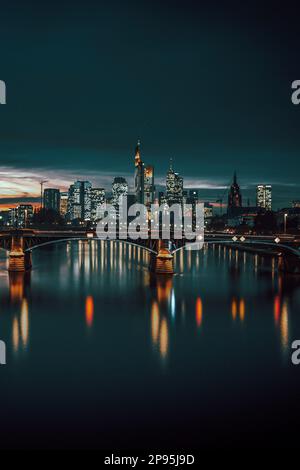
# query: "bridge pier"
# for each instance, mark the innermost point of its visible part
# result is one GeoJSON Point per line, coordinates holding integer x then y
{"type": "Point", "coordinates": [18, 260]}
{"type": "Point", "coordinates": [289, 264]}
{"type": "Point", "coordinates": [163, 262]}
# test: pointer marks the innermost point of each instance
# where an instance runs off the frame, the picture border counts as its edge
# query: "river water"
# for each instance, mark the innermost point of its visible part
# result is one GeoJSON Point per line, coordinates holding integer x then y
{"type": "Point", "coordinates": [102, 354]}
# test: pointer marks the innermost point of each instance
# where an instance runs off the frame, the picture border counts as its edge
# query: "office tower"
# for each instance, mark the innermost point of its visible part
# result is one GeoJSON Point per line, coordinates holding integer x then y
{"type": "Point", "coordinates": [149, 188]}
{"type": "Point", "coordinates": [24, 213]}
{"type": "Point", "coordinates": [234, 197]}
{"type": "Point", "coordinates": [162, 198]}
{"type": "Point", "coordinates": [174, 187]}
{"type": "Point", "coordinates": [52, 199]}
{"type": "Point", "coordinates": [208, 210]}
{"type": "Point", "coordinates": [12, 217]}
{"type": "Point", "coordinates": [139, 176]}
{"type": "Point", "coordinates": [97, 199]}
{"type": "Point", "coordinates": [119, 189]}
{"type": "Point", "coordinates": [63, 203]}
{"type": "Point", "coordinates": [79, 201]}
{"type": "Point", "coordinates": [264, 196]}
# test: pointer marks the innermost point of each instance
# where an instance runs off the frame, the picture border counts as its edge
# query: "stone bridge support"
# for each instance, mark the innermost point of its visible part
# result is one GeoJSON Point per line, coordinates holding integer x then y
{"type": "Point", "coordinates": [163, 262]}
{"type": "Point", "coordinates": [18, 261]}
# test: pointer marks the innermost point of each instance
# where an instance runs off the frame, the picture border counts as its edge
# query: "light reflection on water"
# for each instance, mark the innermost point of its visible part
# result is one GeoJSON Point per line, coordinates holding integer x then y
{"type": "Point", "coordinates": [93, 319]}
{"type": "Point", "coordinates": [104, 268]}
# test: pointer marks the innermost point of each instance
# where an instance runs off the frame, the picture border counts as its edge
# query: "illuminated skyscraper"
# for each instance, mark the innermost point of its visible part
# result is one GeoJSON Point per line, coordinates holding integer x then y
{"type": "Point", "coordinates": [97, 199]}
{"type": "Point", "coordinates": [139, 176]}
{"type": "Point", "coordinates": [63, 203]}
{"type": "Point", "coordinates": [234, 197]}
{"type": "Point", "coordinates": [174, 187]}
{"type": "Point", "coordinates": [149, 188]}
{"type": "Point", "coordinates": [24, 213]}
{"type": "Point", "coordinates": [264, 196]}
{"type": "Point", "coordinates": [79, 201]}
{"type": "Point", "coordinates": [52, 199]}
{"type": "Point", "coordinates": [119, 189]}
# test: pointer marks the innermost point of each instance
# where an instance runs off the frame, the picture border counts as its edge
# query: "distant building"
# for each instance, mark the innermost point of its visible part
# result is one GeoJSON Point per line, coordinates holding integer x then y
{"type": "Point", "coordinates": [97, 199]}
{"type": "Point", "coordinates": [174, 187]}
{"type": "Point", "coordinates": [139, 176]}
{"type": "Point", "coordinates": [144, 188]}
{"type": "Point", "coordinates": [12, 217]}
{"type": "Point", "coordinates": [52, 199]}
{"type": "Point", "coordinates": [79, 201]}
{"type": "Point", "coordinates": [162, 198]}
{"type": "Point", "coordinates": [234, 197]}
{"type": "Point", "coordinates": [264, 196]}
{"type": "Point", "coordinates": [119, 190]}
{"type": "Point", "coordinates": [149, 188]}
{"type": "Point", "coordinates": [63, 203]}
{"type": "Point", "coordinates": [296, 204]}
{"type": "Point", "coordinates": [208, 210]}
{"type": "Point", "coordinates": [23, 215]}
{"type": "Point", "coordinates": [4, 218]}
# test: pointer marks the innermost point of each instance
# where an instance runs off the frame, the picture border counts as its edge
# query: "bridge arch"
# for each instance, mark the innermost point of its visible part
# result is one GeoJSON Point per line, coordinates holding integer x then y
{"type": "Point", "coordinates": [61, 240]}
{"type": "Point", "coordinates": [284, 248]}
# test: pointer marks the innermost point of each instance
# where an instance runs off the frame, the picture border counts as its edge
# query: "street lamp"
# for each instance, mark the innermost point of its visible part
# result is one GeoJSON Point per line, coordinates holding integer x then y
{"type": "Point", "coordinates": [285, 220]}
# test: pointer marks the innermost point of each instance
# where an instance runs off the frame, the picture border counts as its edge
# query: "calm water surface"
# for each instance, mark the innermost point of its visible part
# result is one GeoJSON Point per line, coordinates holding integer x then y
{"type": "Point", "coordinates": [102, 354]}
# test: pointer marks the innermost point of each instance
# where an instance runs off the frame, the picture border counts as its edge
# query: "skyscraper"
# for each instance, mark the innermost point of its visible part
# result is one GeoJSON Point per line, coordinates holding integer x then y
{"type": "Point", "coordinates": [139, 176]}
{"type": "Point", "coordinates": [264, 196]}
{"type": "Point", "coordinates": [234, 197]}
{"type": "Point", "coordinates": [52, 199]}
{"type": "Point", "coordinates": [24, 214]}
{"type": "Point", "coordinates": [174, 187]}
{"type": "Point", "coordinates": [63, 203]}
{"type": "Point", "coordinates": [119, 189]}
{"type": "Point", "coordinates": [97, 199]}
{"type": "Point", "coordinates": [79, 201]}
{"type": "Point", "coordinates": [149, 188]}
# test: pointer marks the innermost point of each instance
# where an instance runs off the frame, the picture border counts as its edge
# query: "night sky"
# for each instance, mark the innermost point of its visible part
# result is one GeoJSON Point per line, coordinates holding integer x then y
{"type": "Point", "coordinates": [206, 84]}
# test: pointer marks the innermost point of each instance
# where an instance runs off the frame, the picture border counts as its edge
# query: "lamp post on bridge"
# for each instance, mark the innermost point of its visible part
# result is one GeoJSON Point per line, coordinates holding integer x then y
{"type": "Point", "coordinates": [285, 221]}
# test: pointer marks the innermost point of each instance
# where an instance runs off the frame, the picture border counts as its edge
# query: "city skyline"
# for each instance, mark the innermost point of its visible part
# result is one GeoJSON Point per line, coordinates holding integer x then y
{"type": "Point", "coordinates": [14, 191]}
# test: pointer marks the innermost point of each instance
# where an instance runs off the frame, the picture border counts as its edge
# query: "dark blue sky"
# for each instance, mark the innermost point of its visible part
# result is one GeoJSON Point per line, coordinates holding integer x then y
{"type": "Point", "coordinates": [204, 84]}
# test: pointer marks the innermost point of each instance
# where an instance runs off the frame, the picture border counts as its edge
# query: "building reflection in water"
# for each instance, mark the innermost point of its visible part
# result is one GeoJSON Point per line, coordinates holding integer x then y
{"type": "Point", "coordinates": [276, 309]}
{"type": "Point", "coordinates": [155, 322]}
{"type": "Point", "coordinates": [89, 310]}
{"type": "Point", "coordinates": [199, 311]}
{"type": "Point", "coordinates": [163, 338]}
{"type": "Point", "coordinates": [281, 320]}
{"type": "Point", "coordinates": [234, 308]}
{"type": "Point", "coordinates": [163, 304]}
{"type": "Point", "coordinates": [284, 326]}
{"type": "Point", "coordinates": [18, 287]}
{"type": "Point", "coordinates": [238, 307]}
{"type": "Point", "coordinates": [242, 310]}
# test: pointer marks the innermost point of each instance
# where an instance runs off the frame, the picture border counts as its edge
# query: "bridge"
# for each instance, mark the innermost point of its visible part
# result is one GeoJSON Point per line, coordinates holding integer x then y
{"type": "Point", "coordinates": [21, 242]}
